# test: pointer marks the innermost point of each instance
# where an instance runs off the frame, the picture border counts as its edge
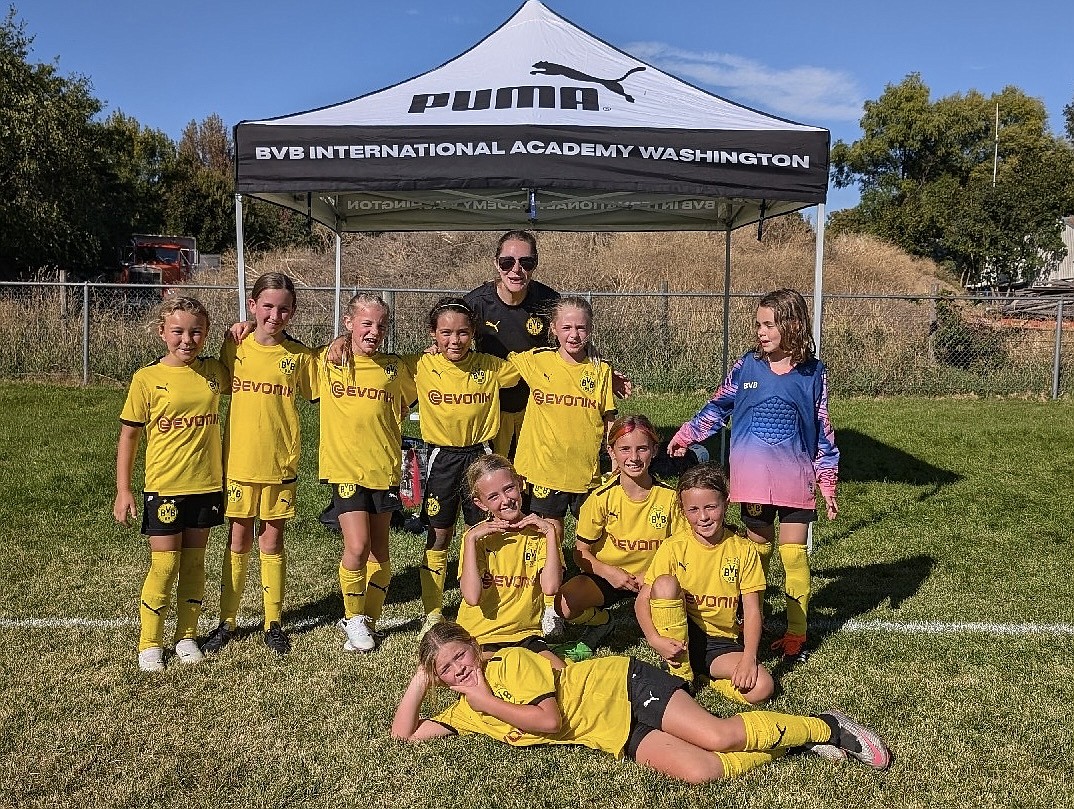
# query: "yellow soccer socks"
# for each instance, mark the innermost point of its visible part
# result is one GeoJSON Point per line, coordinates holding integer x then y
{"type": "Point", "coordinates": [725, 688]}
{"type": "Point", "coordinates": [378, 576]}
{"type": "Point", "coordinates": [190, 593]}
{"type": "Point", "coordinates": [232, 584]}
{"type": "Point", "coordinates": [156, 597]}
{"type": "Point", "coordinates": [736, 764]}
{"type": "Point", "coordinates": [433, 575]}
{"type": "Point", "coordinates": [273, 576]}
{"type": "Point", "coordinates": [593, 616]}
{"type": "Point", "coordinates": [796, 586]}
{"type": "Point", "coordinates": [669, 618]}
{"type": "Point", "coordinates": [353, 585]}
{"type": "Point", "coordinates": [769, 730]}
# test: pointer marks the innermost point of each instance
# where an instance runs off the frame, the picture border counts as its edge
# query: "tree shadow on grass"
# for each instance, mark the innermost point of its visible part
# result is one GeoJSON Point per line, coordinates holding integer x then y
{"type": "Point", "coordinates": [863, 459]}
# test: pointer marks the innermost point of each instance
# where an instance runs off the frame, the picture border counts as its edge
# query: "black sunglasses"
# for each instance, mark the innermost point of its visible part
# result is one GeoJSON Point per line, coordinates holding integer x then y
{"type": "Point", "coordinates": [527, 263]}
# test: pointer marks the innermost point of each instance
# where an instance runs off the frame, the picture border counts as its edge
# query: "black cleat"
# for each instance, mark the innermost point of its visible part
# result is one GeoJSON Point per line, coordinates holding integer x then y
{"type": "Point", "coordinates": [276, 639]}
{"type": "Point", "coordinates": [218, 638]}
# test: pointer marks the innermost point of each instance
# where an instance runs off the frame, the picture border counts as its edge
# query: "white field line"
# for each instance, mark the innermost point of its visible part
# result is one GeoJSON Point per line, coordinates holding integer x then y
{"type": "Point", "coordinates": [397, 622]}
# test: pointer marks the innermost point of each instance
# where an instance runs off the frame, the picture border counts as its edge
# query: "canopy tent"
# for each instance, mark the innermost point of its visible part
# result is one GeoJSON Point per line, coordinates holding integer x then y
{"type": "Point", "coordinates": [540, 125]}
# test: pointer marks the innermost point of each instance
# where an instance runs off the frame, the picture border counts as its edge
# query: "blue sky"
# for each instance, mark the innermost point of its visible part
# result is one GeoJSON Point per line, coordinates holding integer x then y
{"type": "Point", "coordinates": [169, 63]}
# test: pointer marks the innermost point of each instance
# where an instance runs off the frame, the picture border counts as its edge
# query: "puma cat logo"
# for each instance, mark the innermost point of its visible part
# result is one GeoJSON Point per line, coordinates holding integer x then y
{"type": "Point", "coordinates": [614, 85]}
{"type": "Point", "coordinates": [494, 326]}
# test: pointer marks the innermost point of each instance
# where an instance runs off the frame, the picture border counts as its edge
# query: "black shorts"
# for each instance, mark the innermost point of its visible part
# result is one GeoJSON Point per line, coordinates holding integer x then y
{"type": "Point", "coordinates": [760, 514]}
{"type": "Point", "coordinates": [611, 595]}
{"type": "Point", "coordinates": [552, 503]}
{"type": "Point", "coordinates": [704, 648]}
{"type": "Point", "coordinates": [533, 643]}
{"type": "Point", "coordinates": [347, 497]}
{"type": "Point", "coordinates": [164, 515]}
{"type": "Point", "coordinates": [649, 689]}
{"type": "Point", "coordinates": [446, 489]}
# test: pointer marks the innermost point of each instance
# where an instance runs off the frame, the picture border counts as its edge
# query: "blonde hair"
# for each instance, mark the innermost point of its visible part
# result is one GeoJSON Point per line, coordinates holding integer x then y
{"type": "Point", "coordinates": [486, 465]}
{"type": "Point", "coordinates": [361, 300]}
{"type": "Point", "coordinates": [572, 302]}
{"type": "Point", "coordinates": [792, 320]}
{"type": "Point", "coordinates": [436, 638]}
{"type": "Point", "coordinates": [182, 303]}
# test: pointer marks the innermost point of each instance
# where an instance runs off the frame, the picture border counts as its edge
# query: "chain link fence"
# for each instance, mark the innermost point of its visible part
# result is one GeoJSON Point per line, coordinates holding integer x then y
{"type": "Point", "coordinates": [874, 345]}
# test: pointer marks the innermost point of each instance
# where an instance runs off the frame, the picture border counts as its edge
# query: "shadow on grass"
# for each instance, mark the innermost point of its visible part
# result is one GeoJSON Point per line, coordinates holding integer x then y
{"type": "Point", "coordinates": [863, 459]}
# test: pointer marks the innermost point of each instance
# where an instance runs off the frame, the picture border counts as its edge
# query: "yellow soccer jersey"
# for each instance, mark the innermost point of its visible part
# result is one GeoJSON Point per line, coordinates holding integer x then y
{"type": "Point", "coordinates": [712, 577]}
{"type": "Point", "coordinates": [559, 447]}
{"type": "Point", "coordinates": [460, 402]}
{"type": "Point", "coordinates": [625, 533]}
{"type": "Point", "coordinates": [361, 409]}
{"type": "Point", "coordinates": [592, 698]}
{"type": "Point", "coordinates": [262, 441]}
{"type": "Point", "coordinates": [179, 407]}
{"type": "Point", "coordinates": [511, 601]}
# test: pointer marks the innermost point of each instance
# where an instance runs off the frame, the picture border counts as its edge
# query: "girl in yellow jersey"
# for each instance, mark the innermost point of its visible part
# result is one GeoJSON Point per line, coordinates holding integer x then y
{"type": "Point", "coordinates": [620, 527]}
{"type": "Point", "coordinates": [176, 400]}
{"type": "Point", "coordinates": [362, 403]}
{"type": "Point", "coordinates": [695, 587]}
{"type": "Point", "coordinates": [262, 442]}
{"type": "Point", "coordinates": [620, 705]}
{"type": "Point", "coordinates": [505, 570]}
{"type": "Point", "coordinates": [459, 400]}
{"type": "Point", "coordinates": [569, 410]}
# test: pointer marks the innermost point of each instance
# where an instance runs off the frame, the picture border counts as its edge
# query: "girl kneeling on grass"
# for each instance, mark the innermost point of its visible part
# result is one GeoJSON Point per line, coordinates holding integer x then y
{"type": "Point", "coordinates": [178, 399]}
{"type": "Point", "coordinates": [694, 588]}
{"type": "Point", "coordinates": [616, 704]}
{"type": "Point", "coordinates": [620, 527]}
{"type": "Point", "coordinates": [509, 564]}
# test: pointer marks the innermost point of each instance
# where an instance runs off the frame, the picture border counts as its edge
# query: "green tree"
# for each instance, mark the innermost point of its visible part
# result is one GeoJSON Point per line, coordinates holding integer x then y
{"type": "Point", "coordinates": [925, 170]}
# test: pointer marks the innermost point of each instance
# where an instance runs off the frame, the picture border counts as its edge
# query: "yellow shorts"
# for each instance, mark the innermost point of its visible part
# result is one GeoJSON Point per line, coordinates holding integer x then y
{"type": "Point", "coordinates": [506, 439]}
{"type": "Point", "coordinates": [266, 501]}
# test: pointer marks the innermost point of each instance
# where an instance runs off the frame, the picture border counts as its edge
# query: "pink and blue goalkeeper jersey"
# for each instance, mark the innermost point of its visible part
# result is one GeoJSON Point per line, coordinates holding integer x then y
{"type": "Point", "coordinates": [782, 441]}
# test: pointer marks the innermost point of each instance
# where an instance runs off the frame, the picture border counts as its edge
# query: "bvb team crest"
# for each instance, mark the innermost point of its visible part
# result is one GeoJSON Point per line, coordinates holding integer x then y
{"type": "Point", "coordinates": [389, 369]}
{"type": "Point", "coordinates": [167, 513]}
{"type": "Point", "coordinates": [730, 571]}
{"type": "Point", "coordinates": [214, 386]}
{"type": "Point", "coordinates": [234, 492]}
{"type": "Point", "coordinates": [541, 491]}
{"type": "Point", "coordinates": [479, 375]}
{"type": "Point", "coordinates": [588, 382]}
{"type": "Point", "coordinates": [534, 325]}
{"type": "Point", "coordinates": [658, 519]}
{"type": "Point", "coordinates": [346, 490]}
{"type": "Point", "coordinates": [754, 509]}
{"type": "Point", "coordinates": [287, 365]}
{"type": "Point", "coordinates": [432, 506]}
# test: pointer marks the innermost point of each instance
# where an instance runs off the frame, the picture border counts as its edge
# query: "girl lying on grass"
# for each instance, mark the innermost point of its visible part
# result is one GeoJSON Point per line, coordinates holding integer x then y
{"type": "Point", "coordinates": [616, 704]}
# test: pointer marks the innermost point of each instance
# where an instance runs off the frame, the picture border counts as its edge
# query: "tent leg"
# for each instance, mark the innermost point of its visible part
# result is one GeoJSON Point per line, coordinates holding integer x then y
{"type": "Point", "coordinates": [726, 330]}
{"type": "Point", "coordinates": [240, 257]}
{"type": "Point", "coordinates": [339, 277]}
{"type": "Point", "coordinates": [818, 312]}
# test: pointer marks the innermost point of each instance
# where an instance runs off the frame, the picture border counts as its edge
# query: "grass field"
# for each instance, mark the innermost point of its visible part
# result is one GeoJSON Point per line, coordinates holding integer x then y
{"type": "Point", "coordinates": [942, 612]}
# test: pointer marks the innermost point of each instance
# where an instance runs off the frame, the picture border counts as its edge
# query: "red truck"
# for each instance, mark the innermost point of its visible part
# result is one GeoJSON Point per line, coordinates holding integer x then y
{"type": "Point", "coordinates": [163, 261]}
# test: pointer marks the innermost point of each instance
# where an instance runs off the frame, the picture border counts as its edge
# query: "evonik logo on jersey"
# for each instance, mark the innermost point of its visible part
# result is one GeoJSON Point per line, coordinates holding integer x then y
{"type": "Point", "coordinates": [713, 602]}
{"type": "Point", "coordinates": [527, 96]}
{"type": "Point", "coordinates": [167, 424]}
{"type": "Point", "coordinates": [339, 390]}
{"type": "Point", "coordinates": [566, 400]}
{"type": "Point", "coordinates": [437, 397]}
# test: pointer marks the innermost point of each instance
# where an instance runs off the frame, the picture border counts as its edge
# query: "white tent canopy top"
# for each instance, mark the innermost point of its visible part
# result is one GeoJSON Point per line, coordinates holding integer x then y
{"type": "Point", "coordinates": [539, 125]}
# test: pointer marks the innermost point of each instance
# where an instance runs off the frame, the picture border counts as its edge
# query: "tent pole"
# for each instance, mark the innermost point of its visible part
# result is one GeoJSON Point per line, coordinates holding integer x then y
{"type": "Point", "coordinates": [818, 279]}
{"type": "Point", "coordinates": [240, 258]}
{"type": "Point", "coordinates": [339, 284]}
{"type": "Point", "coordinates": [818, 313]}
{"type": "Point", "coordinates": [726, 329]}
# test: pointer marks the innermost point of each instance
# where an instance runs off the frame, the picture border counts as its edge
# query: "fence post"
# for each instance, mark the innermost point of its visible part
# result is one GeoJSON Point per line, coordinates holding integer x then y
{"type": "Point", "coordinates": [389, 298]}
{"type": "Point", "coordinates": [1058, 348]}
{"type": "Point", "coordinates": [85, 333]}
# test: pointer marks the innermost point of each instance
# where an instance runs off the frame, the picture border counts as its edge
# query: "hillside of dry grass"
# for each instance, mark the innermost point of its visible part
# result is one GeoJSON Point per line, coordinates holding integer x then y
{"type": "Point", "coordinates": [685, 262]}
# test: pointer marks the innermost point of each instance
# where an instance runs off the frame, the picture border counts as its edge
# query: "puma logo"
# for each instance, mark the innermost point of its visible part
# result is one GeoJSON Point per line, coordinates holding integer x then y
{"type": "Point", "coordinates": [163, 388]}
{"type": "Point", "coordinates": [779, 741]}
{"type": "Point", "coordinates": [682, 565]}
{"type": "Point", "coordinates": [653, 698]}
{"type": "Point", "coordinates": [614, 85]}
{"type": "Point", "coordinates": [494, 326]}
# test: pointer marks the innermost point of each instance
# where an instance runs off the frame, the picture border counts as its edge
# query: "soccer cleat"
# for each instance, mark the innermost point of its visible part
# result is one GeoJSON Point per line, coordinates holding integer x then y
{"type": "Point", "coordinates": [828, 752]}
{"type": "Point", "coordinates": [594, 636]}
{"type": "Point", "coordinates": [151, 659]}
{"type": "Point", "coordinates": [218, 638]}
{"type": "Point", "coordinates": [552, 624]}
{"type": "Point", "coordinates": [276, 639]}
{"type": "Point", "coordinates": [793, 648]}
{"type": "Point", "coordinates": [857, 740]}
{"type": "Point", "coordinates": [359, 636]}
{"type": "Point", "coordinates": [188, 652]}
